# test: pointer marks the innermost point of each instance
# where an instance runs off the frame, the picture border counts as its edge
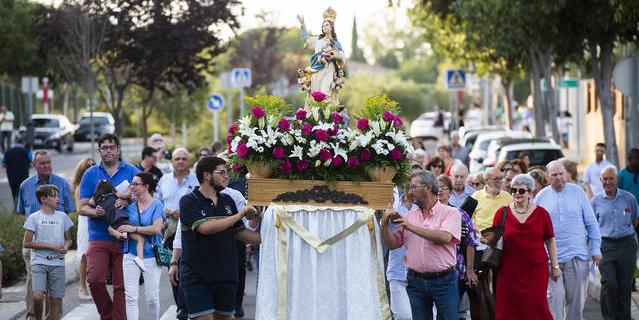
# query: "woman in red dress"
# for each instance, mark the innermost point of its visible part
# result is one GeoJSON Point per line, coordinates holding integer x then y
{"type": "Point", "coordinates": [523, 275]}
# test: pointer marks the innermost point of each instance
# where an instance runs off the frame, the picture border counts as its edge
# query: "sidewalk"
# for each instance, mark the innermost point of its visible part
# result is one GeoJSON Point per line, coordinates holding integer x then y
{"type": "Point", "coordinates": [12, 304]}
{"type": "Point", "coordinates": [594, 287]}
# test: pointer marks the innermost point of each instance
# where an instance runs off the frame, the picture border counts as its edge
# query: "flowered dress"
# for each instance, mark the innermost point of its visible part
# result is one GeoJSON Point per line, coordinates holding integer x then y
{"type": "Point", "coordinates": [468, 238]}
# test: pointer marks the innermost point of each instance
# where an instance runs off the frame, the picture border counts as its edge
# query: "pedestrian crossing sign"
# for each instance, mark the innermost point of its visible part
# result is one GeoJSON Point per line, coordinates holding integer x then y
{"type": "Point", "coordinates": [455, 79]}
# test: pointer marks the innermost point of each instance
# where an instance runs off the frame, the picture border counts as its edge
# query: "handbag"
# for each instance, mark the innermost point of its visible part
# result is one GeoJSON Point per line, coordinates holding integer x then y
{"type": "Point", "coordinates": [492, 256]}
{"type": "Point", "coordinates": [162, 254]}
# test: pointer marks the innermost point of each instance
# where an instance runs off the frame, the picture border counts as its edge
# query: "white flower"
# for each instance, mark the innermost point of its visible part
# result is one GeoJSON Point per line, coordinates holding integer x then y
{"type": "Point", "coordinates": [327, 113]}
{"type": "Point", "coordinates": [272, 121]}
{"type": "Point", "coordinates": [298, 152]}
{"type": "Point", "coordinates": [375, 128]}
{"type": "Point", "coordinates": [261, 123]}
{"type": "Point", "coordinates": [337, 151]}
{"type": "Point", "coordinates": [235, 143]}
{"type": "Point", "coordinates": [378, 146]}
{"type": "Point", "coordinates": [365, 139]}
{"type": "Point", "coordinates": [383, 124]}
{"type": "Point", "coordinates": [315, 112]}
{"type": "Point", "coordinates": [323, 126]}
{"type": "Point", "coordinates": [244, 122]}
{"type": "Point", "coordinates": [315, 148]}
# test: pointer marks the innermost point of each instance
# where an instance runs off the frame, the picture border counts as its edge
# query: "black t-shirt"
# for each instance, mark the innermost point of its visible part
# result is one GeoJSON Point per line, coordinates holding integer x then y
{"type": "Point", "coordinates": [155, 171]}
{"type": "Point", "coordinates": [207, 258]}
{"type": "Point", "coordinates": [18, 163]}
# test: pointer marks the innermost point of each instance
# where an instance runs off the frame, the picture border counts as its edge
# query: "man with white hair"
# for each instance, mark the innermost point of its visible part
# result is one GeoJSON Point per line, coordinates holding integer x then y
{"type": "Point", "coordinates": [170, 190]}
{"type": "Point", "coordinates": [616, 211]}
{"type": "Point", "coordinates": [461, 191]}
{"type": "Point", "coordinates": [578, 240]}
{"type": "Point", "coordinates": [459, 152]}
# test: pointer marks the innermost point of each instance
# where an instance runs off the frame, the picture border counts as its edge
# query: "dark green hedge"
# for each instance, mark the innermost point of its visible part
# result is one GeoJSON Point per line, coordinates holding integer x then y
{"type": "Point", "coordinates": [11, 235]}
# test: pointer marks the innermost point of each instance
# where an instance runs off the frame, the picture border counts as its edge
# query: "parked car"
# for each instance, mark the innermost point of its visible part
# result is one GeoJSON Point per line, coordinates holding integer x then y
{"type": "Point", "coordinates": [102, 121]}
{"type": "Point", "coordinates": [468, 136]}
{"type": "Point", "coordinates": [478, 153]}
{"type": "Point", "coordinates": [495, 146]}
{"type": "Point", "coordinates": [540, 153]}
{"type": "Point", "coordinates": [422, 127]}
{"type": "Point", "coordinates": [52, 131]}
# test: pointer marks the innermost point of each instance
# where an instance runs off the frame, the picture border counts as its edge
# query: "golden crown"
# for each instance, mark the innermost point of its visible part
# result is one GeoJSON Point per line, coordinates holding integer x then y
{"type": "Point", "coordinates": [329, 15]}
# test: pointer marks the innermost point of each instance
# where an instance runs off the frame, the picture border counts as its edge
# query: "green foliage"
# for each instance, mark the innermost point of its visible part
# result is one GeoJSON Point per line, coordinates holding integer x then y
{"type": "Point", "coordinates": [19, 47]}
{"type": "Point", "coordinates": [74, 230]}
{"type": "Point", "coordinates": [423, 70]}
{"type": "Point", "coordinates": [356, 52]}
{"type": "Point", "coordinates": [11, 235]}
{"type": "Point", "coordinates": [272, 105]}
{"type": "Point", "coordinates": [375, 107]}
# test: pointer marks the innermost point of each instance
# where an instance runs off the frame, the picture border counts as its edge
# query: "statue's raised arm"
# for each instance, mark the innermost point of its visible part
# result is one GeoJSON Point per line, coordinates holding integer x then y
{"type": "Point", "coordinates": [326, 70]}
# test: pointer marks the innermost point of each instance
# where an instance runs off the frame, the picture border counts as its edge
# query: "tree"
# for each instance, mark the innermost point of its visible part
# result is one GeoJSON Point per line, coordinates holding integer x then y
{"type": "Point", "coordinates": [19, 48]}
{"type": "Point", "coordinates": [356, 52]}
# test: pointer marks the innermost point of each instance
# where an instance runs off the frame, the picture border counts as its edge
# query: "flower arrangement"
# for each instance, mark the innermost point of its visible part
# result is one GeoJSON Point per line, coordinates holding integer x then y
{"type": "Point", "coordinates": [315, 143]}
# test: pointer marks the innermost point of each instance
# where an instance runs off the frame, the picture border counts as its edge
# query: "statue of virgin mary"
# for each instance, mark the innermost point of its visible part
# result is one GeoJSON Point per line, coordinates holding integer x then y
{"type": "Point", "coordinates": [326, 71]}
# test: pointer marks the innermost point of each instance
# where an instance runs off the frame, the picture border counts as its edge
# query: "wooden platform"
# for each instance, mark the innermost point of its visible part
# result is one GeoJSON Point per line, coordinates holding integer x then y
{"type": "Point", "coordinates": [263, 192]}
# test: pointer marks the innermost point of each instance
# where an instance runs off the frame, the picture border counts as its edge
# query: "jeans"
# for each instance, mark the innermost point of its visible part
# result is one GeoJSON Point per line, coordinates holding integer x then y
{"type": "Point", "coordinates": [442, 292]}
{"type": "Point", "coordinates": [178, 296]}
{"type": "Point", "coordinates": [399, 302]}
{"type": "Point", "coordinates": [102, 256]}
{"type": "Point", "coordinates": [151, 287]}
{"type": "Point", "coordinates": [5, 139]}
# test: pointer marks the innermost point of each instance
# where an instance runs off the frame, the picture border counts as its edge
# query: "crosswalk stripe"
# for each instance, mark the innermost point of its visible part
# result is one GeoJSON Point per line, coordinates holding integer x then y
{"type": "Point", "coordinates": [170, 313]}
{"type": "Point", "coordinates": [86, 311]}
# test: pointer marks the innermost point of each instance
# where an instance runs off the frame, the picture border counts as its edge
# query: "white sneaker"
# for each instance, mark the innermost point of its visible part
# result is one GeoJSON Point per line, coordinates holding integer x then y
{"type": "Point", "coordinates": [140, 263]}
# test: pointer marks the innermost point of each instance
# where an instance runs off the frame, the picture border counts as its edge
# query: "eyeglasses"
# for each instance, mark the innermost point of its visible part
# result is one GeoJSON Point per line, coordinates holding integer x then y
{"type": "Point", "coordinates": [444, 189]}
{"type": "Point", "coordinates": [180, 159]}
{"type": "Point", "coordinates": [475, 184]}
{"type": "Point", "coordinates": [221, 172]}
{"type": "Point", "coordinates": [137, 184]}
{"type": "Point", "coordinates": [517, 190]}
{"type": "Point", "coordinates": [412, 186]}
{"type": "Point", "coordinates": [506, 169]}
{"type": "Point", "coordinates": [437, 166]}
{"type": "Point", "coordinates": [109, 148]}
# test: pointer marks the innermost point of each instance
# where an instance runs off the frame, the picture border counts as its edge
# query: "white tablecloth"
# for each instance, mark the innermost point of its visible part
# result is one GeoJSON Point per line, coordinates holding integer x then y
{"type": "Point", "coordinates": [324, 279]}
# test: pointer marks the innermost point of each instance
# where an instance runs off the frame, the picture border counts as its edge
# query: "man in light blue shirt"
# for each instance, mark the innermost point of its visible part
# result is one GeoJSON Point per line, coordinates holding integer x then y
{"type": "Point", "coordinates": [577, 237]}
{"type": "Point", "coordinates": [461, 191]}
{"type": "Point", "coordinates": [592, 174]}
{"type": "Point", "coordinates": [616, 211]}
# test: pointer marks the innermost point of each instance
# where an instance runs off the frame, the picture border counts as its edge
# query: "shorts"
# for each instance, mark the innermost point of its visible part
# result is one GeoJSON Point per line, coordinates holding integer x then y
{"type": "Point", "coordinates": [49, 279]}
{"type": "Point", "coordinates": [208, 298]}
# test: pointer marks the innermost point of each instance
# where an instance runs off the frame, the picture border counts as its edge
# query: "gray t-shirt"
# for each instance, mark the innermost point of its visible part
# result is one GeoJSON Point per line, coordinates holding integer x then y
{"type": "Point", "coordinates": [48, 228]}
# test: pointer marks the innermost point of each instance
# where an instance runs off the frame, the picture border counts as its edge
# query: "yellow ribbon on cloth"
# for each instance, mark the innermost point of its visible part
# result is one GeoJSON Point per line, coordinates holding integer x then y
{"type": "Point", "coordinates": [284, 222]}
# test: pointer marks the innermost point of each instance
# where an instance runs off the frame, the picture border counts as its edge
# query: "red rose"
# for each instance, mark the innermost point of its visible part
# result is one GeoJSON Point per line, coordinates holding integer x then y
{"type": "Point", "coordinates": [362, 124]}
{"type": "Point", "coordinates": [365, 155]}
{"type": "Point", "coordinates": [325, 155]}
{"type": "Point", "coordinates": [284, 125]}
{"type": "Point", "coordinates": [352, 161]}
{"type": "Point", "coordinates": [302, 165]}
{"type": "Point", "coordinates": [286, 166]}
{"type": "Point", "coordinates": [318, 96]}
{"type": "Point", "coordinates": [321, 135]}
{"type": "Point", "coordinates": [337, 161]}
{"type": "Point", "coordinates": [396, 154]}
{"type": "Point", "coordinates": [257, 112]}
{"type": "Point", "coordinates": [242, 150]}
{"type": "Point", "coordinates": [301, 114]}
{"type": "Point", "coordinates": [278, 152]}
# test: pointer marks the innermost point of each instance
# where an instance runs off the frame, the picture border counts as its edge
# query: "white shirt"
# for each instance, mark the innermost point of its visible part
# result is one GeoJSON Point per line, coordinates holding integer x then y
{"type": "Point", "coordinates": [169, 191]}
{"type": "Point", "coordinates": [592, 175]}
{"type": "Point", "coordinates": [6, 121]}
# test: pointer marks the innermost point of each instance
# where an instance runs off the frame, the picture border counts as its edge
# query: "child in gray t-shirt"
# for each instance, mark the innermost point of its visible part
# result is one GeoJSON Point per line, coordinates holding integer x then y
{"type": "Point", "coordinates": [47, 235]}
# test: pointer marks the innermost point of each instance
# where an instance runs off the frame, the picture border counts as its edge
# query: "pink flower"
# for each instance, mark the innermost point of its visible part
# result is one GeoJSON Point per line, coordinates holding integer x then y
{"type": "Point", "coordinates": [362, 124]}
{"type": "Point", "coordinates": [365, 155]}
{"type": "Point", "coordinates": [228, 139]}
{"type": "Point", "coordinates": [337, 117]}
{"type": "Point", "coordinates": [286, 166]}
{"type": "Point", "coordinates": [257, 112]}
{"type": "Point", "coordinates": [397, 122]}
{"type": "Point", "coordinates": [337, 161]}
{"type": "Point", "coordinates": [242, 150]}
{"type": "Point", "coordinates": [321, 135]}
{"type": "Point", "coordinates": [352, 161]}
{"type": "Point", "coordinates": [318, 96]}
{"type": "Point", "coordinates": [278, 152]}
{"type": "Point", "coordinates": [302, 165]}
{"type": "Point", "coordinates": [236, 167]}
{"type": "Point", "coordinates": [228, 150]}
{"type": "Point", "coordinates": [233, 128]}
{"type": "Point", "coordinates": [301, 114]}
{"type": "Point", "coordinates": [332, 131]}
{"type": "Point", "coordinates": [396, 154]}
{"type": "Point", "coordinates": [307, 129]}
{"type": "Point", "coordinates": [325, 155]}
{"type": "Point", "coordinates": [284, 125]}
{"type": "Point", "coordinates": [388, 117]}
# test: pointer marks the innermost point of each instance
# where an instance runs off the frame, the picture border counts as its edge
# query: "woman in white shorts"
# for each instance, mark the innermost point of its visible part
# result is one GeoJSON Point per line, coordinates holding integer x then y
{"type": "Point", "coordinates": [82, 240]}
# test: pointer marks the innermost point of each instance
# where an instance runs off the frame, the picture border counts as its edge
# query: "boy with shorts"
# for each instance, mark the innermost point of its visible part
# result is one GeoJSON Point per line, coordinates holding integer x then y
{"type": "Point", "coordinates": [47, 235]}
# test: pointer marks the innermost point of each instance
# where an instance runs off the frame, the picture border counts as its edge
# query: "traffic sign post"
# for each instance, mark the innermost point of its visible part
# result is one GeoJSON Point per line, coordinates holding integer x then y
{"type": "Point", "coordinates": [241, 78]}
{"type": "Point", "coordinates": [455, 79]}
{"type": "Point", "coordinates": [29, 85]}
{"type": "Point", "coordinates": [225, 80]}
{"type": "Point", "coordinates": [215, 103]}
{"type": "Point", "coordinates": [626, 78]}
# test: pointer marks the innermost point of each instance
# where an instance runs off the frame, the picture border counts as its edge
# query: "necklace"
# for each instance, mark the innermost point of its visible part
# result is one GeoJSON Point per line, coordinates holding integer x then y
{"type": "Point", "coordinates": [524, 211]}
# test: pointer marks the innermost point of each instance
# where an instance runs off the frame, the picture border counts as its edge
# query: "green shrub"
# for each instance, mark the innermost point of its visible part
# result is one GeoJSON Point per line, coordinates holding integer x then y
{"type": "Point", "coordinates": [11, 235]}
{"type": "Point", "coordinates": [74, 230]}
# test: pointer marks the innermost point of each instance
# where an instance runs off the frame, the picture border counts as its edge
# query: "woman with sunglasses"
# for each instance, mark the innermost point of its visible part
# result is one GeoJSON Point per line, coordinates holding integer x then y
{"type": "Point", "coordinates": [436, 166]}
{"type": "Point", "coordinates": [476, 180]}
{"type": "Point", "coordinates": [147, 215]}
{"type": "Point", "coordinates": [523, 275]}
{"type": "Point", "coordinates": [465, 266]}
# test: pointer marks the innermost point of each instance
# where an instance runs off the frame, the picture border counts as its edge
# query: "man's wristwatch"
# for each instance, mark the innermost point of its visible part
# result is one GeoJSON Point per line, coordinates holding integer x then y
{"type": "Point", "coordinates": [174, 263]}
{"type": "Point", "coordinates": [556, 267]}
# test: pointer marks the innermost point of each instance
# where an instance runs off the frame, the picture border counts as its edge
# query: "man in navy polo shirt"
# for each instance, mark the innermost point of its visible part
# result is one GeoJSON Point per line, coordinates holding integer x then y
{"type": "Point", "coordinates": [104, 252]}
{"type": "Point", "coordinates": [210, 225]}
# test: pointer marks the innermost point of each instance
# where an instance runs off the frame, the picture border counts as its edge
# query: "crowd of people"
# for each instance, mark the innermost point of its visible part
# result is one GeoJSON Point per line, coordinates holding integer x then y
{"type": "Point", "coordinates": [552, 228]}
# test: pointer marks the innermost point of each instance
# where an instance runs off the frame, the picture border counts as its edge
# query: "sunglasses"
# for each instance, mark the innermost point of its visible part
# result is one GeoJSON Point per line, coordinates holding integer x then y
{"type": "Point", "coordinates": [506, 169]}
{"type": "Point", "coordinates": [437, 166]}
{"type": "Point", "coordinates": [521, 191]}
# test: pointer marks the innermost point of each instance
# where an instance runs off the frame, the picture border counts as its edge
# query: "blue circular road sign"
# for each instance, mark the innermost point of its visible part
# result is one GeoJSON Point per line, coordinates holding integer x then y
{"type": "Point", "coordinates": [215, 102]}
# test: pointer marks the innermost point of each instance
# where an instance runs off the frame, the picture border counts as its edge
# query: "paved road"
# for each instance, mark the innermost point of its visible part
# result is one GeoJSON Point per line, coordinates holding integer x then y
{"type": "Point", "coordinates": [64, 164]}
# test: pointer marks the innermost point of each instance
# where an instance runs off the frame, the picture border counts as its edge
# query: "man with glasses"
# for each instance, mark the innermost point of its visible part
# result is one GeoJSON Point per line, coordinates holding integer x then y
{"type": "Point", "coordinates": [578, 240]}
{"type": "Point", "coordinates": [28, 203]}
{"type": "Point", "coordinates": [430, 233]}
{"type": "Point", "coordinates": [616, 211]}
{"type": "Point", "coordinates": [104, 253]}
{"type": "Point", "coordinates": [170, 190]}
{"type": "Point", "coordinates": [210, 223]}
{"type": "Point", "coordinates": [460, 191]}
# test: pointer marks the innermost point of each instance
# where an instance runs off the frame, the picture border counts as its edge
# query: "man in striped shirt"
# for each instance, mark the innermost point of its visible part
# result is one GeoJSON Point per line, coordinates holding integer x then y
{"type": "Point", "coordinates": [28, 204]}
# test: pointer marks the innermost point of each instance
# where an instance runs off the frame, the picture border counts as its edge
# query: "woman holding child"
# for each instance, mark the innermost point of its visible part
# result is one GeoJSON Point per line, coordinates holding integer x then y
{"type": "Point", "coordinates": [146, 216]}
